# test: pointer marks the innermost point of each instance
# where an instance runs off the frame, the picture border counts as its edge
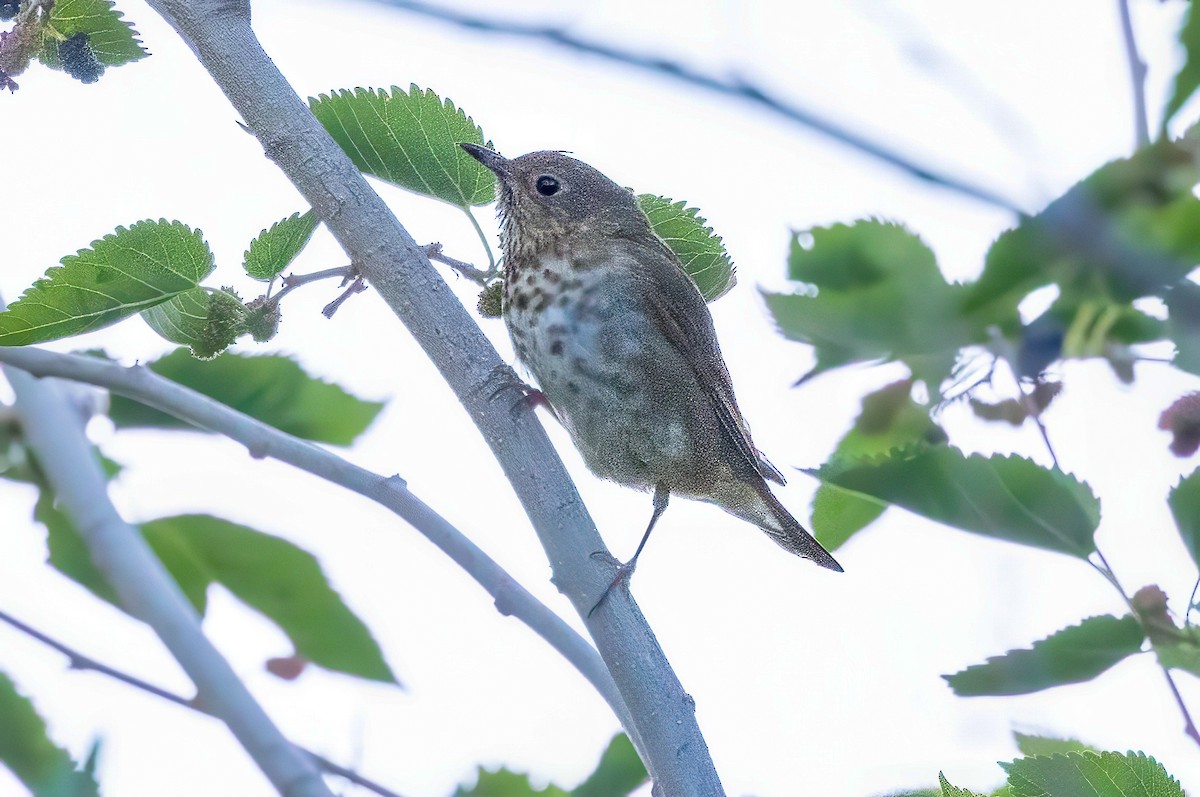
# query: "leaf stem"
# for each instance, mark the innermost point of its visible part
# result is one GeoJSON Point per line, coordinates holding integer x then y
{"type": "Point", "coordinates": [1106, 570]}
{"type": "Point", "coordinates": [80, 661]}
{"type": "Point", "coordinates": [293, 281]}
{"type": "Point", "coordinates": [487, 247]}
{"type": "Point", "coordinates": [1189, 727]}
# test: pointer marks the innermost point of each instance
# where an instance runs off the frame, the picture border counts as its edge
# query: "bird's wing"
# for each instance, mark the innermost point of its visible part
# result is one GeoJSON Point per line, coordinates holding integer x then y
{"type": "Point", "coordinates": [685, 320]}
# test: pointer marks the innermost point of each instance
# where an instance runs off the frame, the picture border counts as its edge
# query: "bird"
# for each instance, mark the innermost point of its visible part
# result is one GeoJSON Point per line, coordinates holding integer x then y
{"type": "Point", "coordinates": [622, 347]}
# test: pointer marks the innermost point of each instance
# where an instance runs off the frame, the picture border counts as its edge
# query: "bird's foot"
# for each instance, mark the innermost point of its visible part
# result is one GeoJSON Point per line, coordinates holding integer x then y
{"type": "Point", "coordinates": [531, 398]}
{"type": "Point", "coordinates": [623, 574]}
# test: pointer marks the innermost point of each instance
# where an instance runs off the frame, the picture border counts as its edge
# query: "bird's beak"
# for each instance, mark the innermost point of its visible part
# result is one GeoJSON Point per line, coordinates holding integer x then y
{"type": "Point", "coordinates": [493, 160]}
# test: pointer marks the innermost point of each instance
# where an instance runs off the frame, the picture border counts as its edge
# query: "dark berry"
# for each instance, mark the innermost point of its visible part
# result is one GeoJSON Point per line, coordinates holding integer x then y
{"type": "Point", "coordinates": [9, 8]}
{"type": "Point", "coordinates": [78, 59]}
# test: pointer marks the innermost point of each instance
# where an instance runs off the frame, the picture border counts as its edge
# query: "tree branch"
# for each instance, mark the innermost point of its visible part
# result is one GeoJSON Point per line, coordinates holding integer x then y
{"type": "Point", "coordinates": [733, 86]}
{"type": "Point", "coordinates": [662, 715]}
{"type": "Point", "coordinates": [480, 277]}
{"type": "Point", "coordinates": [1137, 76]}
{"type": "Point", "coordinates": [55, 433]}
{"type": "Point", "coordinates": [79, 661]}
{"type": "Point", "coordinates": [261, 440]}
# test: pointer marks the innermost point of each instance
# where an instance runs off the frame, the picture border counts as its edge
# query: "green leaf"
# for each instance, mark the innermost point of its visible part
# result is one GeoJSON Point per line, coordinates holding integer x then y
{"type": "Point", "coordinates": [1183, 654]}
{"type": "Point", "coordinates": [1005, 497]}
{"type": "Point", "coordinates": [272, 389]}
{"type": "Point", "coordinates": [889, 419]}
{"type": "Point", "coordinates": [872, 291]}
{"type": "Point", "coordinates": [410, 139]}
{"type": "Point", "coordinates": [1073, 655]}
{"type": "Point", "coordinates": [1188, 78]}
{"type": "Point", "coordinates": [1184, 501]}
{"type": "Point", "coordinates": [208, 322]}
{"type": "Point", "coordinates": [112, 39]}
{"type": "Point", "coordinates": [699, 249]}
{"type": "Point", "coordinates": [277, 578]}
{"type": "Point", "coordinates": [1031, 745]}
{"type": "Point", "coordinates": [25, 748]}
{"type": "Point", "coordinates": [122, 274]}
{"type": "Point", "coordinates": [1183, 324]}
{"type": "Point", "coordinates": [68, 553]}
{"type": "Point", "coordinates": [949, 790]}
{"type": "Point", "coordinates": [274, 249]}
{"type": "Point", "coordinates": [837, 514]}
{"type": "Point", "coordinates": [1129, 229]}
{"type": "Point", "coordinates": [619, 772]}
{"type": "Point", "coordinates": [1090, 775]}
{"type": "Point", "coordinates": [504, 783]}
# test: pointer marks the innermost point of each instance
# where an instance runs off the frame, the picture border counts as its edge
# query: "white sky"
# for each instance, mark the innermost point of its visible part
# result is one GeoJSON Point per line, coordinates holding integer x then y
{"type": "Point", "coordinates": [805, 682]}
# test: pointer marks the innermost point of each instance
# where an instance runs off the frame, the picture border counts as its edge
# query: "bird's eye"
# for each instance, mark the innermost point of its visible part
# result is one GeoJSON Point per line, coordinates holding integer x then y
{"type": "Point", "coordinates": [547, 185]}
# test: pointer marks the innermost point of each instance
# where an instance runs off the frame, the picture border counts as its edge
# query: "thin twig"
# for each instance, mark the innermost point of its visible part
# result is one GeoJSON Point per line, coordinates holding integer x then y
{"type": "Point", "coordinates": [358, 286]}
{"type": "Point", "coordinates": [293, 281]}
{"type": "Point", "coordinates": [479, 276]}
{"type": "Point", "coordinates": [53, 430]}
{"type": "Point", "coordinates": [146, 387]}
{"type": "Point", "coordinates": [1110, 575]}
{"type": "Point", "coordinates": [1189, 727]}
{"type": "Point", "coordinates": [80, 661]}
{"type": "Point", "coordinates": [733, 86]}
{"type": "Point", "coordinates": [954, 75]}
{"type": "Point", "coordinates": [1137, 76]}
{"type": "Point", "coordinates": [1035, 412]}
{"type": "Point", "coordinates": [1106, 568]}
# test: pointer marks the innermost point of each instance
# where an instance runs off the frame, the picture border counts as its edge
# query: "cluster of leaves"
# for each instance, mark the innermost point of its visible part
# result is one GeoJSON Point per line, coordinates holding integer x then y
{"type": "Point", "coordinates": [619, 773]}
{"type": "Point", "coordinates": [1069, 768]}
{"type": "Point", "coordinates": [80, 37]}
{"type": "Point", "coordinates": [1122, 241]}
{"type": "Point", "coordinates": [155, 268]}
{"type": "Point", "coordinates": [268, 574]}
{"type": "Point", "coordinates": [872, 291]}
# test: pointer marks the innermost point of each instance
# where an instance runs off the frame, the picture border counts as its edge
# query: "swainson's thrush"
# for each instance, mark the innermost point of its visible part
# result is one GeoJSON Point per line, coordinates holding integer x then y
{"type": "Point", "coordinates": [622, 346]}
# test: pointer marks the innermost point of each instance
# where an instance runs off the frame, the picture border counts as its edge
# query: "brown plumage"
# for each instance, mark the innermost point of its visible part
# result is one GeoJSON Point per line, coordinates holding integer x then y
{"type": "Point", "coordinates": [622, 345]}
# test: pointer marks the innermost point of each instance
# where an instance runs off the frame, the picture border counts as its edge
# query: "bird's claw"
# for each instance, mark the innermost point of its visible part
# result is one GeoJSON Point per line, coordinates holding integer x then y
{"type": "Point", "coordinates": [531, 398]}
{"type": "Point", "coordinates": [624, 572]}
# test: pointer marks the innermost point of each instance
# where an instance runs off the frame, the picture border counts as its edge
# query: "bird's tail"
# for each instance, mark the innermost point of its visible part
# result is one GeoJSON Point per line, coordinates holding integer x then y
{"type": "Point", "coordinates": [756, 503]}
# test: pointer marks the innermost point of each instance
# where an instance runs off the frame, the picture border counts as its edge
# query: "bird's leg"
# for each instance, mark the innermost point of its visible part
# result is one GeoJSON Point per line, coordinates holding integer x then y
{"type": "Point", "coordinates": [625, 571]}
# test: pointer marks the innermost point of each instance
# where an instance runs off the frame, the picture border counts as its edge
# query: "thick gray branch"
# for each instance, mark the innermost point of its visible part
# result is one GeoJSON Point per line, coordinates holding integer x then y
{"type": "Point", "coordinates": [81, 662]}
{"type": "Point", "coordinates": [663, 716]}
{"type": "Point", "coordinates": [54, 431]}
{"type": "Point", "coordinates": [262, 440]}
